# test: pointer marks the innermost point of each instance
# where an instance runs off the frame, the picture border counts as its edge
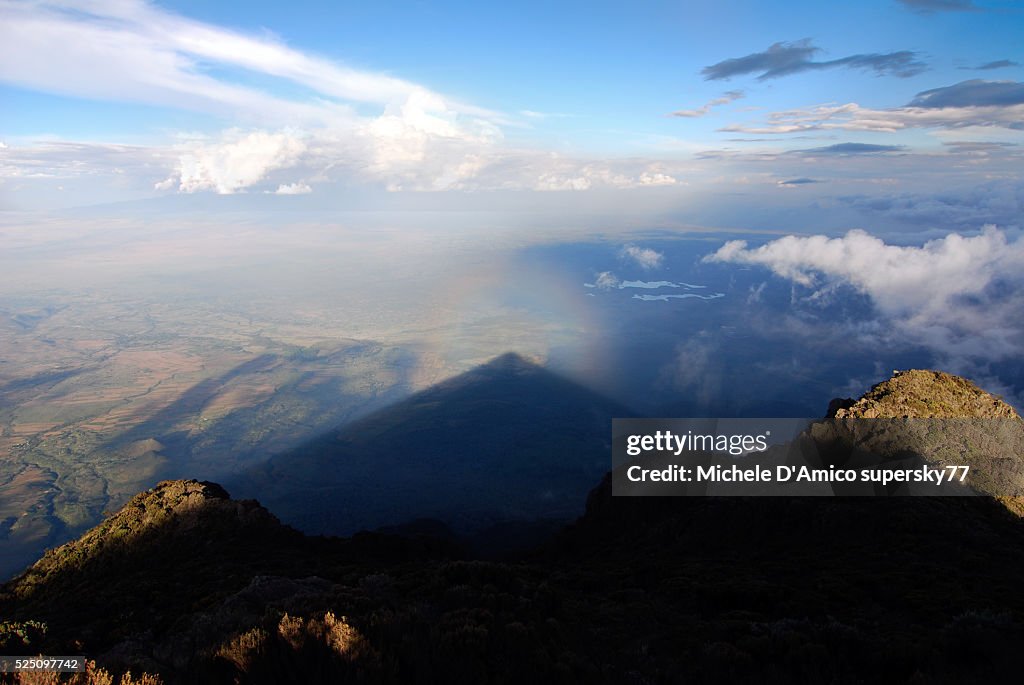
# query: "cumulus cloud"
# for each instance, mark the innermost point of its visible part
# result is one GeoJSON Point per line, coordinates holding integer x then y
{"type": "Point", "coordinates": [656, 179]}
{"type": "Point", "coordinates": [421, 144]}
{"type": "Point", "coordinates": [645, 257]}
{"type": "Point", "coordinates": [605, 280]}
{"type": "Point", "coordinates": [238, 162]}
{"type": "Point", "coordinates": [339, 124]}
{"type": "Point", "coordinates": [293, 189]}
{"type": "Point", "coordinates": [725, 99]}
{"type": "Point", "coordinates": [133, 51]}
{"type": "Point", "coordinates": [558, 182]}
{"type": "Point", "coordinates": [405, 149]}
{"type": "Point", "coordinates": [955, 295]}
{"type": "Point", "coordinates": [783, 59]}
{"type": "Point", "coordinates": [556, 173]}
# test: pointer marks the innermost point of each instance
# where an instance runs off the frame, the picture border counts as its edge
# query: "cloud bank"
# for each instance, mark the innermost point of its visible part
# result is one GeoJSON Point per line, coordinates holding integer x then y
{"type": "Point", "coordinates": [329, 123]}
{"type": "Point", "coordinates": [956, 295]}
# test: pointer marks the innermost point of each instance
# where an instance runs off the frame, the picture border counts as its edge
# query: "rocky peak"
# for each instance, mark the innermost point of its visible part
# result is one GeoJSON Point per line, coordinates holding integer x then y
{"type": "Point", "coordinates": [919, 393]}
{"type": "Point", "coordinates": [165, 514]}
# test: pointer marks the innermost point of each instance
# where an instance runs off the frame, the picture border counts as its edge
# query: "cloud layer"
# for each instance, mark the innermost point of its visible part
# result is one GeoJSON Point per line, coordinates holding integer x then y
{"type": "Point", "coordinates": [129, 50]}
{"type": "Point", "coordinates": [995, 104]}
{"type": "Point", "coordinates": [851, 149]}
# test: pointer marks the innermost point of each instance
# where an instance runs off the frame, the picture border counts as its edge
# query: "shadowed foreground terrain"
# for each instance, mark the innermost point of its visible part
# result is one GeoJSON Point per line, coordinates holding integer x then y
{"type": "Point", "coordinates": [188, 584]}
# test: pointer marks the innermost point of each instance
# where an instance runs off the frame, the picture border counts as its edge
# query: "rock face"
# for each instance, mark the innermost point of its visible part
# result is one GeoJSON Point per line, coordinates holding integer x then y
{"type": "Point", "coordinates": [924, 394]}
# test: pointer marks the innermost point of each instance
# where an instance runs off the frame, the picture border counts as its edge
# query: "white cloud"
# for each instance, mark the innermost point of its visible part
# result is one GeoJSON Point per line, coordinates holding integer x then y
{"type": "Point", "coordinates": [643, 256]}
{"type": "Point", "coordinates": [293, 189]}
{"type": "Point", "coordinates": [132, 50]}
{"type": "Point", "coordinates": [559, 182]}
{"type": "Point", "coordinates": [570, 174]}
{"type": "Point", "coordinates": [421, 144]}
{"type": "Point", "coordinates": [65, 159]}
{"type": "Point", "coordinates": [656, 179]}
{"type": "Point", "coordinates": [955, 295]}
{"type": "Point", "coordinates": [724, 99]}
{"type": "Point", "coordinates": [236, 163]}
{"type": "Point", "coordinates": [129, 51]}
{"type": "Point", "coordinates": [605, 280]}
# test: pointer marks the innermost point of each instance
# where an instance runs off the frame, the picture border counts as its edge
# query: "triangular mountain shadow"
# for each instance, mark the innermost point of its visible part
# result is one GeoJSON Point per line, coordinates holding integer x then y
{"type": "Point", "coordinates": [506, 441]}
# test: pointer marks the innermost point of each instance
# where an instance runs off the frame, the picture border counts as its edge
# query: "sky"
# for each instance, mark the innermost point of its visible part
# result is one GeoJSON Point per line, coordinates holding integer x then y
{"type": "Point", "coordinates": [873, 146]}
{"type": "Point", "coordinates": [673, 105]}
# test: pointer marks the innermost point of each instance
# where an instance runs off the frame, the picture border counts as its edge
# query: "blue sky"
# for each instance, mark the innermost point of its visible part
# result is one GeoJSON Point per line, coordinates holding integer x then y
{"type": "Point", "coordinates": [122, 99]}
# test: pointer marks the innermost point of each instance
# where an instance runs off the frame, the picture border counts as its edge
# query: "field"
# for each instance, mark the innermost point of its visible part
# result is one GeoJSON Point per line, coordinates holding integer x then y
{"type": "Point", "coordinates": [132, 352]}
{"type": "Point", "coordinates": [102, 398]}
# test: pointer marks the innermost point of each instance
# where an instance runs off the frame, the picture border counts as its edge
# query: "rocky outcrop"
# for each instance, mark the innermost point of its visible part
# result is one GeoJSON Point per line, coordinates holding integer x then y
{"type": "Point", "coordinates": [964, 425]}
{"type": "Point", "coordinates": [922, 394]}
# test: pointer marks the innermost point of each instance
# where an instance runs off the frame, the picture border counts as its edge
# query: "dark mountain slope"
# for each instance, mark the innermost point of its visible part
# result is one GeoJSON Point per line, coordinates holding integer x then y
{"type": "Point", "coordinates": [174, 550]}
{"type": "Point", "coordinates": [879, 585]}
{"type": "Point", "coordinates": [887, 526]}
{"type": "Point", "coordinates": [652, 590]}
{"type": "Point", "coordinates": [507, 441]}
